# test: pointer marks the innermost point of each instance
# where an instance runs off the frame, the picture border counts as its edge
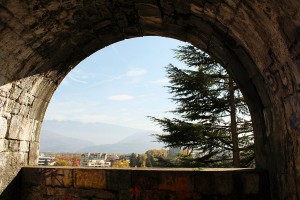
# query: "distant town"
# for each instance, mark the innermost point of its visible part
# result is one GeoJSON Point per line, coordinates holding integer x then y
{"type": "Point", "coordinates": [81, 159]}
{"type": "Point", "coordinates": [90, 159]}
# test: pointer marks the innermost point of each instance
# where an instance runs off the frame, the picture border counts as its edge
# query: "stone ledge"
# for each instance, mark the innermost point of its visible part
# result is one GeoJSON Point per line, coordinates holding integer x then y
{"type": "Point", "coordinates": [111, 183]}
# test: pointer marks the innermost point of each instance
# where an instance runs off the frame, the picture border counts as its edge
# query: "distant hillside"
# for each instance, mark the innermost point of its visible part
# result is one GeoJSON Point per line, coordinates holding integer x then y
{"type": "Point", "coordinates": [98, 133]}
{"type": "Point", "coordinates": [53, 142]}
{"type": "Point", "coordinates": [137, 143]}
{"type": "Point", "coordinates": [70, 136]}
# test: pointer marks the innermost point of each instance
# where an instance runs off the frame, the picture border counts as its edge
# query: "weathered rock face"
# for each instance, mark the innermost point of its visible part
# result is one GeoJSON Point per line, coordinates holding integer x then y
{"type": "Point", "coordinates": [257, 41]}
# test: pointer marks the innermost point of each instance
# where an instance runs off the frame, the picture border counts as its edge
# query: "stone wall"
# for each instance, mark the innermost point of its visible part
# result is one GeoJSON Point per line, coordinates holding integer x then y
{"type": "Point", "coordinates": [258, 42]}
{"type": "Point", "coordinates": [22, 107]}
{"type": "Point", "coordinates": [78, 183]}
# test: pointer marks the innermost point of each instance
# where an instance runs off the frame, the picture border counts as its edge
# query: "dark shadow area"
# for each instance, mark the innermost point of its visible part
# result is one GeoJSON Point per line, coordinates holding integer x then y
{"type": "Point", "coordinates": [13, 190]}
{"type": "Point", "coordinates": [102, 183]}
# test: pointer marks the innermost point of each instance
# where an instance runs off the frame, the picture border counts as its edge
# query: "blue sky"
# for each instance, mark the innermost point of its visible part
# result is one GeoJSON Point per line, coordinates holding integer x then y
{"type": "Point", "coordinates": [120, 84]}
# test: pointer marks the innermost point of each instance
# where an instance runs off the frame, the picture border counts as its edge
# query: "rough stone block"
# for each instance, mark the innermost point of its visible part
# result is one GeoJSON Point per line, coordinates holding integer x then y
{"type": "Point", "coordinates": [33, 153]}
{"type": "Point", "coordinates": [13, 145]}
{"type": "Point", "coordinates": [24, 110]}
{"type": "Point", "coordinates": [3, 127]}
{"type": "Point", "coordinates": [214, 182]}
{"type": "Point", "coordinates": [225, 14]}
{"type": "Point", "coordinates": [14, 106]}
{"type": "Point", "coordinates": [22, 128]}
{"type": "Point", "coordinates": [52, 177]}
{"type": "Point", "coordinates": [150, 14]}
{"type": "Point", "coordinates": [10, 165]}
{"type": "Point", "coordinates": [204, 182]}
{"type": "Point", "coordinates": [38, 109]}
{"type": "Point", "coordinates": [19, 128]}
{"type": "Point", "coordinates": [90, 178]}
{"type": "Point", "coordinates": [125, 195]}
{"type": "Point", "coordinates": [3, 145]}
{"type": "Point", "coordinates": [32, 195]}
{"type": "Point", "coordinates": [148, 10]}
{"type": "Point", "coordinates": [38, 86]}
{"type": "Point", "coordinates": [30, 176]}
{"type": "Point", "coordinates": [158, 194]}
{"type": "Point", "coordinates": [26, 83]}
{"type": "Point", "coordinates": [251, 183]}
{"type": "Point", "coordinates": [15, 93]}
{"type": "Point", "coordinates": [5, 89]}
{"type": "Point", "coordinates": [59, 191]}
{"type": "Point", "coordinates": [24, 146]}
{"type": "Point", "coordinates": [97, 194]}
{"type": "Point", "coordinates": [113, 181]}
{"type": "Point", "coordinates": [57, 177]}
{"type": "Point", "coordinates": [18, 160]}
{"type": "Point", "coordinates": [26, 98]}
{"type": "Point", "coordinates": [35, 131]}
{"type": "Point", "coordinates": [163, 180]}
{"type": "Point", "coordinates": [3, 160]}
{"type": "Point", "coordinates": [50, 191]}
{"type": "Point", "coordinates": [224, 183]}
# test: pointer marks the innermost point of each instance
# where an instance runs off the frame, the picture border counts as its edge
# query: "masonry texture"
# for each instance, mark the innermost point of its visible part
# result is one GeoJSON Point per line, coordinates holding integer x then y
{"type": "Point", "coordinates": [66, 183]}
{"type": "Point", "coordinates": [256, 41]}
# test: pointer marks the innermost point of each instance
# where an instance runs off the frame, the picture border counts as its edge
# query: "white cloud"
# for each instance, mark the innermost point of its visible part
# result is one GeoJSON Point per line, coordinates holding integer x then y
{"type": "Point", "coordinates": [76, 79]}
{"type": "Point", "coordinates": [121, 97]}
{"type": "Point", "coordinates": [136, 72]}
{"type": "Point", "coordinates": [80, 76]}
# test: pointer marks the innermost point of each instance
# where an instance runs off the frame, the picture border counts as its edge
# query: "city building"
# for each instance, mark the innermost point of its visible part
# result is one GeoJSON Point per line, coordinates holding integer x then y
{"type": "Point", "coordinates": [46, 160]}
{"type": "Point", "coordinates": [94, 160]}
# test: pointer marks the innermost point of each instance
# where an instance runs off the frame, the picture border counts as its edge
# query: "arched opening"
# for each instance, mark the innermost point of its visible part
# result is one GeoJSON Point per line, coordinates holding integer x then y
{"type": "Point", "coordinates": [123, 84]}
{"type": "Point", "coordinates": [42, 41]}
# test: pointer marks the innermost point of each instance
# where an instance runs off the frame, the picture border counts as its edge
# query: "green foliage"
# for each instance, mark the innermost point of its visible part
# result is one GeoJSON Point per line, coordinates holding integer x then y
{"type": "Point", "coordinates": [63, 163]}
{"type": "Point", "coordinates": [204, 107]}
{"type": "Point", "coordinates": [153, 157]}
{"type": "Point", "coordinates": [142, 160]}
{"type": "Point", "coordinates": [133, 160]}
{"type": "Point", "coordinates": [121, 164]}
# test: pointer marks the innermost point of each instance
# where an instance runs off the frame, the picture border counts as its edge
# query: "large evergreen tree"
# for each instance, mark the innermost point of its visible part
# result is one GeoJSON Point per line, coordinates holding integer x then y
{"type": "Point", "coordinates": [213, 121]}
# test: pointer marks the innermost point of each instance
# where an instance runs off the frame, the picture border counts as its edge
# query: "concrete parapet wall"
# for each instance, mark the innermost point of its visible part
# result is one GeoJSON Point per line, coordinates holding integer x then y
{"type": "Point", "coordinates": [83, 183]}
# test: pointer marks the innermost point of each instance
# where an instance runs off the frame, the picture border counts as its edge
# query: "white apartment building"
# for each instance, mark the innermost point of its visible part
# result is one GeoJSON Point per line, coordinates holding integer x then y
{"type": "Point", "coordinates": [46, 160]}
{"type": "Point", "coordinates": [94, 160]}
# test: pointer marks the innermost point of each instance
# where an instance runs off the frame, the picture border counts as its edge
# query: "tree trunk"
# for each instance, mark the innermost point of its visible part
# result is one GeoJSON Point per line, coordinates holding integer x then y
{"type": "Point", "coordinates": [233, 125]}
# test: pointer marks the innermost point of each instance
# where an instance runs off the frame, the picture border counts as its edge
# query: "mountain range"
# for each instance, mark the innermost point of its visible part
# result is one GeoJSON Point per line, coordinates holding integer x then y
{"type": "Point", "coordinates": [73, 136]}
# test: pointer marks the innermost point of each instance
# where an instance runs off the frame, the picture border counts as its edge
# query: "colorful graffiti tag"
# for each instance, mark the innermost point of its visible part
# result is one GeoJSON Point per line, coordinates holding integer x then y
{"type": "Point", "coordinates": [295, 122]}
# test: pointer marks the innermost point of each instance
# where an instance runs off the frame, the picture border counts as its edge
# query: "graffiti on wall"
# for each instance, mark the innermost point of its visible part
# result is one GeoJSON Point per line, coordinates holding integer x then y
{"type": "Point", "coordinates": [276, 78]}
{"type": "Point", "coordinates": [178, 187]}
{"type": "Point", "coordinates": [295, 122]}
{"type": "Point", "coordinates": [295, 116]}
{"type": "Point", "coordinates": [51, 174]}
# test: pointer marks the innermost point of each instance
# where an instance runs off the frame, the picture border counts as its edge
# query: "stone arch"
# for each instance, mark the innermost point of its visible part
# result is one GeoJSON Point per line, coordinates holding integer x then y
{"type": "Point", "coordinates": [258, 42]}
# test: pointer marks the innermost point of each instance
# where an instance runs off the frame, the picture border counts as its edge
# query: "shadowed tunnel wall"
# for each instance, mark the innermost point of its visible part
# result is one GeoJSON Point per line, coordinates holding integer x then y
{"type": "Point", "coordinates": [257, 41]}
